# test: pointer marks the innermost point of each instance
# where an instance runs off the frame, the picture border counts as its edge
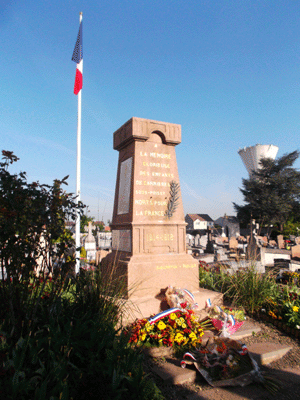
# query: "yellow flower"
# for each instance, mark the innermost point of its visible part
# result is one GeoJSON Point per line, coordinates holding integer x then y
{"type": "Point", "coordinates": [183, 326]}
{"type": "Point", "coordinates": [148, 327]}
{"type": "Point", "coordinates": [143, 337]}
{"type": "Point", "coordinates": [178, 322]}
{"type": "Point", "coordinates": [173, 316]}
{"type": "Point", "coordinates": [272, 314]}
{"type": "Point", "coordinates": [179, 338]}
{"type": "Point", "coordinates": [295, 308]}
{"type": "Point", "coordinates": [161, 325]}
{"type": "Point", "coordinates": [192, 336]}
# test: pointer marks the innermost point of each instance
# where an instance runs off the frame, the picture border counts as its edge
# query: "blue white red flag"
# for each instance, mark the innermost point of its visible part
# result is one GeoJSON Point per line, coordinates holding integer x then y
{"type": "Point", "coordinates": [78, 58]}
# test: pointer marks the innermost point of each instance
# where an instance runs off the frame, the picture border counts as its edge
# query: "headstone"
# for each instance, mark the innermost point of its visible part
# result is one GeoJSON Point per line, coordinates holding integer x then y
{"type": "Point", "coordinates": [272, 243]}
{"type": "Point", "coordinates": [90, 244]}
{"type": "Point", "coordinates": [219, 240]}
{"type": "Point", "coordinates": [296, 251]}
{"type": "Point", "coordinates": [100, 254]}
{"type": "Point", "coordinates": [148, 225]}
{"type": "Point", "coordinates": [233, 243]}
{"type": "Point", "coordinates": [203, 240]}
{"type": "Point", "coordinates": [253, 252]}
{"type": "Point", "coordinates": [210, 243]}
{"type": "Point", "coordinates": [197, 240]}
{"type": "Point", "coordinates": [280, 241]}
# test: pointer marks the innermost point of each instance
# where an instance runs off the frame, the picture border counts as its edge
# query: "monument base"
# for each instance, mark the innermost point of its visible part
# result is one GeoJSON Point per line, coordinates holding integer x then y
{"type": "Point", "coordinates": [147, 275]}
{"type": "Point", "coordinates": [144, 307]}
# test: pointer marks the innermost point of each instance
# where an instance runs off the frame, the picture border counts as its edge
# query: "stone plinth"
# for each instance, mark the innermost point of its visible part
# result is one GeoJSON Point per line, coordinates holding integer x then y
{"type": "Point", "coordinates": [148, 226]}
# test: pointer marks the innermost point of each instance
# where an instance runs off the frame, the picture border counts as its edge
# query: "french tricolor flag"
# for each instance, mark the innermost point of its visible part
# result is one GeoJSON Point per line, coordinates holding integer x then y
{"type": "Point", "coordinates": [78, 58]}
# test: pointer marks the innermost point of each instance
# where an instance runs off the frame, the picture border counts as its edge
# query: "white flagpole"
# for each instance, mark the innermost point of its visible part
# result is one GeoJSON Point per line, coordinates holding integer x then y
{"type": "Point", "coordinates": [78, 168]}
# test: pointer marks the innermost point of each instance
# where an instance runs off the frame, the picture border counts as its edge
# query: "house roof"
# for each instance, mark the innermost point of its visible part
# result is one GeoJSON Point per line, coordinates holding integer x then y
{"type": "Point", "coordinates": [195, 216]}
{"type": "Point", "coordinates": [201, 217]}
{"type": "Point", "coordinates": [206, 217]}
{"type": "Point", "coordinates": [229, 218]}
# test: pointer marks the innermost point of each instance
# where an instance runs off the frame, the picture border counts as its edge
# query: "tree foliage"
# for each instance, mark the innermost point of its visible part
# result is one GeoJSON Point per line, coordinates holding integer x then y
{"type": "Point", "coordinates": [33, 236]}
{"type": "Point", "coordinates": [272, 193]}
{"type": "Point", "coordinates": [84, 221]}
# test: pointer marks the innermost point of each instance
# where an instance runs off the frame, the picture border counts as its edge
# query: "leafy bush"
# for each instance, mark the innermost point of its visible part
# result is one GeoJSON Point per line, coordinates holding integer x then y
{"type": "Point", "coordinates": [246, 288]}
{"type": "Point", "coordinates": [73, 350]}
{"type": "Point", "coordinates": [59, 335]}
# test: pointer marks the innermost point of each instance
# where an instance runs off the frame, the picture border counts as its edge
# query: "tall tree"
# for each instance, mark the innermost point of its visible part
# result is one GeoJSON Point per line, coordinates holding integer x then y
{"type": "Point", "coordinates": [271, 194]}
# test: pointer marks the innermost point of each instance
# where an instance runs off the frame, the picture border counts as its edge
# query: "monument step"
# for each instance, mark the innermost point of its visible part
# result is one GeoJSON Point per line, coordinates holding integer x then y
{"type": "Point", "coordinates": [262, 353]}
{"type": "Point", "coordinates": [144, 307]}
{"type": "Point", "coordinates": [267, 352]}
{"type": "Point", "coordinates": [245, 330]}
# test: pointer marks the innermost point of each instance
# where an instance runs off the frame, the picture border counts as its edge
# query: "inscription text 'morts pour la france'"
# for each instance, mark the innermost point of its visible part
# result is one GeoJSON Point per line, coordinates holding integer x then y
{"type": "Point", "coordinates": [153, 182]}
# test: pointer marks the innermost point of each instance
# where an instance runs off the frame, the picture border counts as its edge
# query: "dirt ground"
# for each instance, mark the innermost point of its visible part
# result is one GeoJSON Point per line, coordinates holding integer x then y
{"type": "Point", "coordinates": [285, 372]}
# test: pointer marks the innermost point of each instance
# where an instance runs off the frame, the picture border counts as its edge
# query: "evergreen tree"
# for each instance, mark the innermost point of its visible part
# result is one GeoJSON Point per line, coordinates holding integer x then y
{"type": "Point", "coordinates": [271, 194]}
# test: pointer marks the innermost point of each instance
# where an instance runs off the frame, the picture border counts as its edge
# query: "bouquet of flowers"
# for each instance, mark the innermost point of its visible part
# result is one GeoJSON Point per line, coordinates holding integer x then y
{"type": "Point", "coordinates": [226, 320]}
{"type": "Point", "coordinates": [226, 362]}
{"type": "Point", "coordinates": [223, 362]}
{"type": "Point", "coordinates": [173, 327]}
{"type": "Point", "coordinates": [181, 298]}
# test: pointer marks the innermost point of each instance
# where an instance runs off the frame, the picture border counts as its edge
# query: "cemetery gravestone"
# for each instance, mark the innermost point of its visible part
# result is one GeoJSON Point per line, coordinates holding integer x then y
{"type": "Point", "coordinates": [280, 241]}
{"type": "Point", "coordinates": [233, 243]}
{"type": "Point", "coordinates": [296, 251]}
{"type": "Point", "coordinates": [148, 226]}
{"type": "Point", "coordinates": [90, 244]}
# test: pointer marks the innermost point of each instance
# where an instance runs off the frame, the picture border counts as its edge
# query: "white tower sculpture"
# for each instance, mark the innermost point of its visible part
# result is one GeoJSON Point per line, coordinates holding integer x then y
{"type": "Point", "coordinates": [251, 156]}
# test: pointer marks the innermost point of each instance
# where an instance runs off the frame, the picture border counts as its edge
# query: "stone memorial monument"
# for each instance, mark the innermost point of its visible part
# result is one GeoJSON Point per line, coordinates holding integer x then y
{"type": "Point", "coordinates": [148, 226]}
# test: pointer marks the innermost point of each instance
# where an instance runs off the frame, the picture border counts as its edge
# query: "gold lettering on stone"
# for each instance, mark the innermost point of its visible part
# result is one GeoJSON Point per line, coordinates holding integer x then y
{"type": "Point", "coordinates": [160, 155]}
{"type": "Point", "coordinates": [168, 266]}
{"type": "Point", "coordinates": [144, 202]}
{"type": "Point", "coordinates": [141, 191]}
{"type": "Point", "coordinates": [153, 183]}
{"type": "Point", "coordinates": [154, 213]}
{"type": "Point", "coordinates": [189, 265]}
{"type": "Point", "coordinates": [151, 237]}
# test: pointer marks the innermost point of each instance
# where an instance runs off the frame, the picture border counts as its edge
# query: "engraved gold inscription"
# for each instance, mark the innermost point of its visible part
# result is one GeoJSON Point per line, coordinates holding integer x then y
{"type": "Point", "coordinates": [176, 266]}
{"type": "Point", "coordinates": [151, 237]}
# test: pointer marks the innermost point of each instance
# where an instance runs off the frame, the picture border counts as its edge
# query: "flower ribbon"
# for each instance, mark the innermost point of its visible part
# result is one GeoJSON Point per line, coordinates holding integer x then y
{"type": "Point", "coordinates": [183, 362]}
{"type": "Point", "coordinates": [163, 314]}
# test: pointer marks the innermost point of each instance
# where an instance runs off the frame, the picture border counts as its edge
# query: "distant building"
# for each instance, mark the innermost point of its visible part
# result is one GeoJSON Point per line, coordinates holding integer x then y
{"type": "Point", "coordinates": [70, 225]}
{"type": "Point", "coordinates": [230, 224]}
{"type": "Point", "coordinates": [198, 222]}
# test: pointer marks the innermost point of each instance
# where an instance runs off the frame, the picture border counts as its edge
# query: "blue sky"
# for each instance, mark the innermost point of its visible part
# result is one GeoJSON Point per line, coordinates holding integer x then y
{"type": "Point", "coordinates": [227, 71]}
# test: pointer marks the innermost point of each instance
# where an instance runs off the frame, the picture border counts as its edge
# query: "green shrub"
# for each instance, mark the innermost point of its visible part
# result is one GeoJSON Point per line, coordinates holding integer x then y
{"type": "Point", "coordinates": [246, 288]}
{"type": "Point", "coordinates": [59, 336]}
{"type": "Point", "coordinates": [73, 351]}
